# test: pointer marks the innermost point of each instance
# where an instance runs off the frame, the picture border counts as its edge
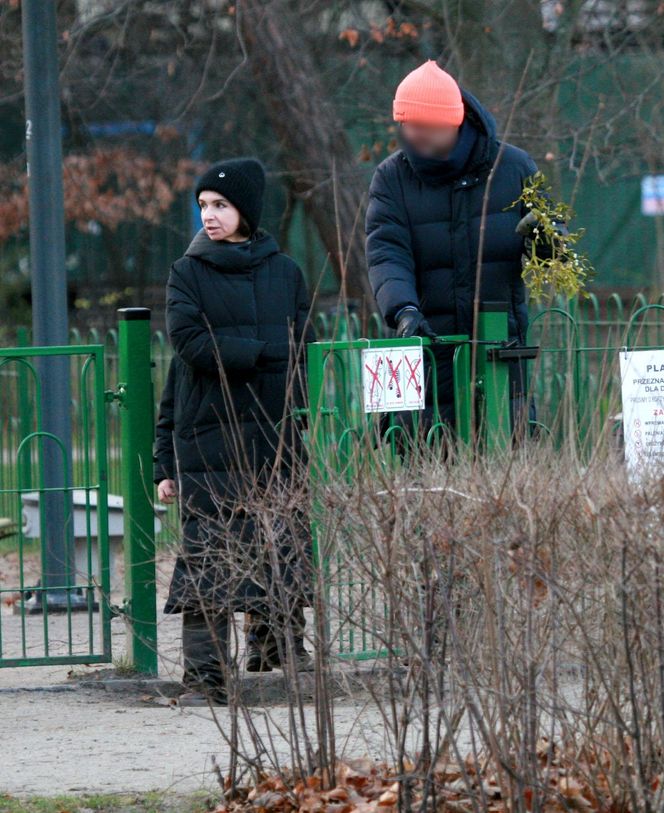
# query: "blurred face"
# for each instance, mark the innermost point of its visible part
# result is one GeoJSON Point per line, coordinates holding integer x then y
{"type": "Point", "coordinates": [430, 141]}
{"type": "Point", "coordinates": [220, 218]}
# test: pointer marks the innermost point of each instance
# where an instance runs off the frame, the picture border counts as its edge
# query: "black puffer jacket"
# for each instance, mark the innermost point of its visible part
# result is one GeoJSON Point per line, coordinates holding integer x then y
{"type": "Point", "coordinates": [423, 225]}
{"type": "Point", "coordinates": [231, 308]}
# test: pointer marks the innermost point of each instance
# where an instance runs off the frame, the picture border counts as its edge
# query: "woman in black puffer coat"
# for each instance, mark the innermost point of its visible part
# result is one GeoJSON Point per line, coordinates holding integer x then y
{"type": "Point", "coordinates": [237, 310]}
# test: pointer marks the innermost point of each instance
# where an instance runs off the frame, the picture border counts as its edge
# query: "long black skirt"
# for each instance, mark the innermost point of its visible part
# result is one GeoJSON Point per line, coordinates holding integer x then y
{"type": "Point", "coordinates": [238, 552]}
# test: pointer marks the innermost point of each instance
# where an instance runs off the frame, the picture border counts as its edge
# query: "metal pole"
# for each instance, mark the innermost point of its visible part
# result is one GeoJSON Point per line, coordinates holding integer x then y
{"type": "Point", "coordinates": [495, 420]}
{"type": "Point", "coordinates": [463, 407]}
{"type": "Point", "coordinates": [48, 279]}
{"type": "Point", "coordinates": [137, 431]}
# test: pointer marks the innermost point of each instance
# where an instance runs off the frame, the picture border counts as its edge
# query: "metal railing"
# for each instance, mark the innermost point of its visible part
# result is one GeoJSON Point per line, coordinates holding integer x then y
{"type": "Point", "coordinates": [344, 438]}
{"type": "Point", "coordinates": [578, 338]}
{"type": "Point", "coordinates": [69, 630]}
{"type": "Point", "coordinates": [58, 580]}
{"type": "Point", "coordinates": [573, 390]}
{"type": "Point", "coordinates": [574, 382]}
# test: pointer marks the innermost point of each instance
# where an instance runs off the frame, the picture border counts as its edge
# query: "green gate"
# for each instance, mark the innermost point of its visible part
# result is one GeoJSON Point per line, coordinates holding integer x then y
{"type": "Point", "coordinates": [59, 586]}
{"type": "Point", "coordinates": [341, 433]}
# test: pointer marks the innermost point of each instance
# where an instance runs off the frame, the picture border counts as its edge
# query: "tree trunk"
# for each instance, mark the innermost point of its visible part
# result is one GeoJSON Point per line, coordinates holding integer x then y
{"type": "Point", "coordinates": [317, 153]}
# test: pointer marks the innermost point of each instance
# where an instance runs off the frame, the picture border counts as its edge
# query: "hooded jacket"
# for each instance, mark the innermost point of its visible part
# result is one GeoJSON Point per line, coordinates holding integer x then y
{"type": "Point", "coordinates": [234, 312]}
{"type": "Point", "coordinates": [423, 233]}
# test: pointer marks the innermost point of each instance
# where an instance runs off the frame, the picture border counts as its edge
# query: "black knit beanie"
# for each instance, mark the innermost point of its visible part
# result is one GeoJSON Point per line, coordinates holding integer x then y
{"type": "Point", "coordinates": [239, 180]}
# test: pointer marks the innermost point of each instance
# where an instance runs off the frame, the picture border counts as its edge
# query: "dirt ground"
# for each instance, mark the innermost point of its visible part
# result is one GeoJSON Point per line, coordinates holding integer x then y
{"type": "Point", "coordinates": [63, 732]}
{"type": "Point", "coordinates": [72, 730]}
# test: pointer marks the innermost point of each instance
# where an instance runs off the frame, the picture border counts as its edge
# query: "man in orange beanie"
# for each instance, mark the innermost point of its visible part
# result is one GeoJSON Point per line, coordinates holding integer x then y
{"type": "Point", "coordinates": [423, 221]}
{"type": "Point", "coordinates": [429, 106]}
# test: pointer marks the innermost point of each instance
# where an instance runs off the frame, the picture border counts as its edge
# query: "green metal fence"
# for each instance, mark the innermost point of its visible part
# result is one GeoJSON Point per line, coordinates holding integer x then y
{"type": "Point", "coordinates": [578, 338]}
{"type": "Point", "coordinates": [77, 628]}
{"type": "Point", "coordinates": [343, 438]}
{"type": "Point", "coordinates": [575, 382]}
{"type": "Point", "coordinates": [574, 385]}
{"type": "Point", "coordinates": [56, 637]}
{"type": "Point", "coordinates": [586, 323]}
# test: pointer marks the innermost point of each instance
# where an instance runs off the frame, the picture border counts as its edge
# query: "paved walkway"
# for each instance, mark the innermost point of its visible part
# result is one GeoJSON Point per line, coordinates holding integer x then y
{"type": "Point", "coordinates": [63, 732]}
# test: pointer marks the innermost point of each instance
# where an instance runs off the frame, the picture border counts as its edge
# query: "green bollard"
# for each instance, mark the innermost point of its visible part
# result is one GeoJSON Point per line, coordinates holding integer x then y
{"type": "Point", "coordinates": [493, 378]}
{"type": "Point", "coordinates": [137, 431]}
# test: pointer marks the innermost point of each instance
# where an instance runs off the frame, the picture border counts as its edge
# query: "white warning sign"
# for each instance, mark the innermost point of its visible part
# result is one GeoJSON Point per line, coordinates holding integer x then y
{"type": "Point", "coordinates": [393, 379]}
{"type": "Point", "coordinates": [642, 384]}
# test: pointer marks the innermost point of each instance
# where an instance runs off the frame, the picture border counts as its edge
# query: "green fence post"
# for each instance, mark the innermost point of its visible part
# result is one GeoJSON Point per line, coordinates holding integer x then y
{"type": "Point", "coordinates": [137, 429]}
{"type": "Point", "coordinates": [494, 377]}
{"type": "Point", "coordinates": [316, 430]}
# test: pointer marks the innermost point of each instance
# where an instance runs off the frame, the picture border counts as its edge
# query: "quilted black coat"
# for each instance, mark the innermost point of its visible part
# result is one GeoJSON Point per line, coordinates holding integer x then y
{"type": "Point", "coordinates": [231, 308]}
{"type": "Point", "coordinates": [423, 227]}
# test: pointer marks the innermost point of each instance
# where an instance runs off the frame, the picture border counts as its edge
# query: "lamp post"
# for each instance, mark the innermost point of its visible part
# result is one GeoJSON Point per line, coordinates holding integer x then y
{"type": "Point", "coordinates": [49, 286]}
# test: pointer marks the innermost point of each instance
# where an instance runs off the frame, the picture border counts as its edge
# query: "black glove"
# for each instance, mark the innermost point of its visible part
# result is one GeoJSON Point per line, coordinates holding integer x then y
{"type": "Point", "coordinates": [526, 228]}
{"type": "Point", "coordinates": [274, 351]}
{"type": "Point", "coordinates": [411, 322]}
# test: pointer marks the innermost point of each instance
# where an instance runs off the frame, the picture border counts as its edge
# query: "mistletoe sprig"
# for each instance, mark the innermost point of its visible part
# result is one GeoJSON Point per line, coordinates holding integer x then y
{"type": "Point", "coordinates": [551, 264]}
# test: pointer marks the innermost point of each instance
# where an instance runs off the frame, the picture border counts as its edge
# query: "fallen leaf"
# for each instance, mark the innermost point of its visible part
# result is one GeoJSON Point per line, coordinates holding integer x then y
{"type": "Point", "coordinates": [338, 794]}
{"type": "Point", "coordinates": [388, 799]}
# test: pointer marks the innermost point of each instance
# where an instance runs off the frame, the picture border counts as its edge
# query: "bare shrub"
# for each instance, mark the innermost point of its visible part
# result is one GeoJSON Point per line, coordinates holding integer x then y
{"type": "Point", "coordinates": [501, 615]}
{"type": "Point", "coordinates": [520, 619]}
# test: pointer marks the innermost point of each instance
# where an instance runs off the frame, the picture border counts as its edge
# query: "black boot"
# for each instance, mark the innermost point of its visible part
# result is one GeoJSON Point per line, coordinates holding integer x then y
{"type": "Point", "coordinates": [258, 639]}
{"type": "Point", "coordinates": [303, 660]}
{"type": "Point", "coordinates": [289, 632]}
{"type": "Point", "coordinates": [205, 649]}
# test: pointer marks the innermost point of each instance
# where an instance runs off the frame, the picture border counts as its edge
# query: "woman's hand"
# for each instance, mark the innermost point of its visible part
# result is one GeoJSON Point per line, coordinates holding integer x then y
{"type": "Point", "coordinates": [166, 492]}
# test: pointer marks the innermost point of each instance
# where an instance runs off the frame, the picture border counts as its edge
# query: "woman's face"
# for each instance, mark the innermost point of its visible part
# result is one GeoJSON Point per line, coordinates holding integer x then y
{"type": "Point", "coordinates": [220, 218]}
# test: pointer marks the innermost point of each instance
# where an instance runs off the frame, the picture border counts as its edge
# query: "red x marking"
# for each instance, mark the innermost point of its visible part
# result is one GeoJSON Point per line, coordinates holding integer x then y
{"type": "Point", "coordinates": [394, 374]}
{"type": "Point", "coordinates": [412, 377]}
{"type": "Point", "coordinates": [374, 378]}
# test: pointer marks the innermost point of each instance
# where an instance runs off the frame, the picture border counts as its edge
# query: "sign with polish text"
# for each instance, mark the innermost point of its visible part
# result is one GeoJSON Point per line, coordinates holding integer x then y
{"type": "Point", "coordinates": [393, 379]}
{"type": "Point", "coordinates": [642, 385]}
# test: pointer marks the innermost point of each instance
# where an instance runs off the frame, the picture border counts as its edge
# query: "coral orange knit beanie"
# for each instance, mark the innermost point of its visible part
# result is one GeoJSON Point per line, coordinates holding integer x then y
{"type": "Point", "coordinates": [429, 95]}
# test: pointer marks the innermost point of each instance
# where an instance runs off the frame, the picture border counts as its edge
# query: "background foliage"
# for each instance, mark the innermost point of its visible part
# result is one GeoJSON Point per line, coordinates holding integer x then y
{"type": "Point", "coordinates": [150, 91]}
